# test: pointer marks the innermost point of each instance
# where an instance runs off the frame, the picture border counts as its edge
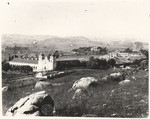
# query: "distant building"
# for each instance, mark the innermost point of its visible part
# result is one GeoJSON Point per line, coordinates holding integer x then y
{"type": "Point", "coordinates": [94, 49]}
{"type": "Point", "coordinates": [42, 64]}
{"type": "Point", "coordinates": [106, 56]}
{"type": "Point", "coordinates": [122, 54]}
{"type": "Point", "coordinates": [113, 54]}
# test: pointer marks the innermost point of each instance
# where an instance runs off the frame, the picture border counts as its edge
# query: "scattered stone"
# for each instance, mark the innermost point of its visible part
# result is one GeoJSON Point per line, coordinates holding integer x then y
{"type": "Point", "coordinates": [142, 101]}
{"type": "Point", "coordinates": [104, 78]}
{"type": "Point", "coordinates": [114, 114]}
{"type": "Point", "coordinates": [133, 77]}
{"type": "Point", "coordinates": [135, 96]}
{"type": "Point", "coordinates": [116, 76]}
{"type": "Point", "coordinates": [128, 93]}
{"type": "Point", "coordinates": [4, 89]}
{"type": "Point", "coordinates": [40, 75]}
{"type": "Point", "coordinates": [124, 82]}
{"type": "Point", "coordinates": [129, 114]}
{"type": "Point", "coordinates": [42, 84]}
{"type": "Point", "coordinates": [89, 115]}
{"type": "Point", "coordinates": [104, 105]}
{"type": "Point", "coordinates": [112, 91]}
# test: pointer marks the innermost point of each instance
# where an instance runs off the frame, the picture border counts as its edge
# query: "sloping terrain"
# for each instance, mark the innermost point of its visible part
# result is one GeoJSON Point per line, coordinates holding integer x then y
{"type": "Point", "coordinates": [107, 99]}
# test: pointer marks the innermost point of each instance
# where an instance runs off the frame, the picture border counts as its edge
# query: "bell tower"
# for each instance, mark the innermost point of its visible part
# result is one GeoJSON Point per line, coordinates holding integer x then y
{"type": "Point", "coordinates": [52, 61]}
{"type": "Point", "coordinates": [40, 62]}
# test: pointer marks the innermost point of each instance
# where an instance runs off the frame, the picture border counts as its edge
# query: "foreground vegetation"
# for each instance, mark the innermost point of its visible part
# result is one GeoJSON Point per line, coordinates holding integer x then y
{"type": "Point", "coordinates": [107, 99]}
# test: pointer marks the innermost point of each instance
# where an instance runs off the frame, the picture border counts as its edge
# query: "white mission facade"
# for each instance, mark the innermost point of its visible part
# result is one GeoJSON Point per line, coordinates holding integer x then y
{"type": "Point", "coordinates": [42, 64]}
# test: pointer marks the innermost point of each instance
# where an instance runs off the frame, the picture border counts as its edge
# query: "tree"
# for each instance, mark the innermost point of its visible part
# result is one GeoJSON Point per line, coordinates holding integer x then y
{"type": "Point", "coordinates": [92, 63]}
{"type": "Point", "coordinates": [145, 52]}
{"type": "Point", "coordinates": [128, 50]}
{"type": "Point", "coordinates": [5, 66]}
{"type": "Point", "coordinates": [99, 49]}
{"type": "Point", "coordinates": [103, 64]}
{"type": "Point", "coordinates": [36, 56]}
{"type": "Point", "coordinates": [137, 61]}
{"type": "Point", "coordinates": [26, 55]}
{"type": "Point", "coordinates": [56, 54]}
{"type": "Point", "coordinates": [97, 63]}
{"type": "Point", "coordinates": [144, 63]}
{"type": "Point", "coordinates": [111, 62]}
{"type": "Point", "coordinates": [10, 57]}
{"type": "Point", "coordinates": [104, 50]}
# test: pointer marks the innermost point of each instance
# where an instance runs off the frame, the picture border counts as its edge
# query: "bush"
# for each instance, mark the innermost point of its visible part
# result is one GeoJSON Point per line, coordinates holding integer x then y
{"type": "Point", "coordinates": [111, 62]}
{"type": "Point", "coordinates": [97, 63]}
{"type": "Point", "coordinates": [5, 66]}
{"type": "Point", "coordinates": [145, 52]}
{"type": "Point", "coordinates": [137, 62]}
{"type": "Point", "coordinates": [25, 69]}
{"type": "Point", "coordinates": [69, 64]}
{"type": "Point", "coordinates": [144, 63]}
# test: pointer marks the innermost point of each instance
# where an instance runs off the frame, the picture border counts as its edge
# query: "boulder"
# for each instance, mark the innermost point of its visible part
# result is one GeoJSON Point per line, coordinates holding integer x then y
{"type": "Point", "coordinates": [124, 82]}
{"type": "Point", "coordinates": [104, 78]}
{"type": "Point", "coordinates": [117, 76]}
{"type": "Point", "coordinates": [40, 75]}
{"type": "Point", "coordinates": [83, 83]}
{"type": "Point", "coordinates": [42, 85]}
{"type": "Point", "coordinates": [37, 104]}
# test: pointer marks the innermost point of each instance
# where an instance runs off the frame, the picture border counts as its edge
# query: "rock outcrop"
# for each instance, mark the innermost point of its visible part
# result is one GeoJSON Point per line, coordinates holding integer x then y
{"type": "Point", "coordinates": [37, 104]}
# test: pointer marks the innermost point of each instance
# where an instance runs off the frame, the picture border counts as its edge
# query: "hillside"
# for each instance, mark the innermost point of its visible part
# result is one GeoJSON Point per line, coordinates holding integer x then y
{"type": "Point", "coordinates": [46, 41]}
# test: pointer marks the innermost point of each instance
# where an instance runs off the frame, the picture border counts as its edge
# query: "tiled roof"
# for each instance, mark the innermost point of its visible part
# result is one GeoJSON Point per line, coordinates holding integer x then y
{"type": "Point", "coordinates": [72, 59]}
{"type": "Point", "coordinates": [19, 60]}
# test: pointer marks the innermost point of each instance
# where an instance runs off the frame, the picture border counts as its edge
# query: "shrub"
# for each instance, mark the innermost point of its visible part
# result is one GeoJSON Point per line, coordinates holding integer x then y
{"type": "Point", "coordinates": [5, 66]}
{"type": "Point", "coordinates": [97, 63]}
{"type": "Point", "coordinates": [111, 62]}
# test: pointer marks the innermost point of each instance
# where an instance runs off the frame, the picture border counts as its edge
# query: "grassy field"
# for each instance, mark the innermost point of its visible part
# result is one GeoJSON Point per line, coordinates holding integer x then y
{"type": "Point", "coordinates": [107, 99]}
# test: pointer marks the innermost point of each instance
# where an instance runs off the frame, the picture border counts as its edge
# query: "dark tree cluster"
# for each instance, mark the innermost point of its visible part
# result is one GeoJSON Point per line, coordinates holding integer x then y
{"type": "Point", "coordinates": [95, 63]}
{"type": "Point", "coordinates": [5, 66]}
{"type": "Point", "coordinates": [87, 50]}
{"type": "Point", "coordinates": [101, 50]}
{"type": "Point", "coordinates": [82, 50]}
{"type": "Point", "coordinates": [25, 69]}
{"type": "Point", "coordinates": [111, 62]}
{"type": "Point", "coordinates": [128, 50]}
{"type": "Point", "coordinates": [137, 62]}
{"type": "Point", "coordinates": [17, 49]}
{"type": "Point", "coordinates": [70, 64]}
{"type": "Point", "coordinates": [145, 52]}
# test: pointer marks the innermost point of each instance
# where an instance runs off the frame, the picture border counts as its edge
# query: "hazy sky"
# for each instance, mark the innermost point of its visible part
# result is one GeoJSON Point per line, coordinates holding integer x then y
{"type": "Point", "coordinates": [115, 20]}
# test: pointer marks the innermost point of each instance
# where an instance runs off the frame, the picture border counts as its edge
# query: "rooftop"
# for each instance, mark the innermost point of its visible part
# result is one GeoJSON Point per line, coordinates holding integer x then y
{"type": "Point", "coordinates": [19, 60]}
{"type": "Point", "coordinates": [29, 61]}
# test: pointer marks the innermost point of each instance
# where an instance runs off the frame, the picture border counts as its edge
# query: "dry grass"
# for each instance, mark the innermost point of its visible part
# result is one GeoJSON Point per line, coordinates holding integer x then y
{"type": "Point", "coordinates": [107, 99]}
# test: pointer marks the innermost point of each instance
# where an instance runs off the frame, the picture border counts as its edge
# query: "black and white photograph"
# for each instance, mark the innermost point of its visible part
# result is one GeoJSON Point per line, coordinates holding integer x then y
{"type": "Point", "coordinates": [75, 59]}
